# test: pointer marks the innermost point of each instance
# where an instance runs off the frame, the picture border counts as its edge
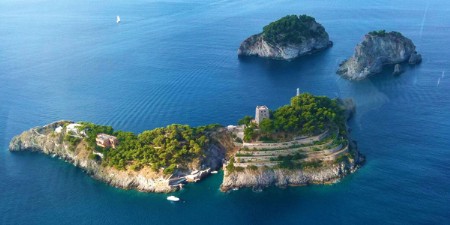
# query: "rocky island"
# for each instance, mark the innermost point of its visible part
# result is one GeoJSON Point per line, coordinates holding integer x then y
{"type": "Point", "coordinates": [287, 38]}
{"type": "Point", "coordinates": [379, 48]}
{"type": "Point", "coordinates": [306, 142]}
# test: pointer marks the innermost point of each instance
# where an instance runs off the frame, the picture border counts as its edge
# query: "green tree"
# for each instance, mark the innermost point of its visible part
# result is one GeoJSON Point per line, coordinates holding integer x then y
{"type": "Point", "coordinates": [249, 132]}
{"type": "Point", "coordinates": [245, 121]}
{"type": "Point", "coordinates": [230, 166]}
{"type": "Point", "coordinates": [267, 126]}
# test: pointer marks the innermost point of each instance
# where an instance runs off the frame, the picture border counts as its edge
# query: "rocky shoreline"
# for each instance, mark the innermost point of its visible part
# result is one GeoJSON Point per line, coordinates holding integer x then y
{"type": "Point", "coordinates": [264, 178]}
{"type": "Point", "coordinates": [44, 140]}
{"type": "Point", "coordinates": [255, 45]}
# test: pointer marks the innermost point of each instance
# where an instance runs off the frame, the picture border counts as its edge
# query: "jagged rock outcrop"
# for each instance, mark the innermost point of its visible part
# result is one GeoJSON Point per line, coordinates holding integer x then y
{"type": "Point", "coordinates": [279, 41]}
{"type": "Point", "coordinates": [44, 139]}
{"type": "Point", "coordinates": [415, 58]}
{"type": "Point", "coordinates": [378, 48]}
{"type": "Point", "coordinates": [397, 69]}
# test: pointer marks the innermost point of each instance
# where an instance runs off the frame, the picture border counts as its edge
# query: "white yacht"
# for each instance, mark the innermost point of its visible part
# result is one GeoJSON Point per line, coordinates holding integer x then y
{"type": "Point", "coordinates": [118, 19]}
{"type": "Point", "coordinates": [173, 198]}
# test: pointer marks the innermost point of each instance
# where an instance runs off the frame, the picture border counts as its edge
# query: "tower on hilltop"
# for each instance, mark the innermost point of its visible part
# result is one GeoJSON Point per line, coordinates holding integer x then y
{"type": "Point", "coordinates": [261, 113]}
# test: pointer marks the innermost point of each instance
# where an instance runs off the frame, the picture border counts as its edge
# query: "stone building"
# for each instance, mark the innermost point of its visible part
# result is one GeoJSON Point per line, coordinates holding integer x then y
{"type": "Point", "coordinates": [106, 141]}
{"type": "Point", "coordinates": [261, 113]}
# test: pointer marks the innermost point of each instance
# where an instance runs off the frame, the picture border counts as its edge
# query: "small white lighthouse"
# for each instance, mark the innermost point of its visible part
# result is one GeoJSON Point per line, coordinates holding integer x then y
{"type": "Point", "coordinates": [298, 91]}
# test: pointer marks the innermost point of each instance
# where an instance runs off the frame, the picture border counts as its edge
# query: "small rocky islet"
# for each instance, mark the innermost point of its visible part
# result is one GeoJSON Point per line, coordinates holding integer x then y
{"type": "Point", "coordinates": [305, 142]}
{"type": "Point", "coordinates": [287, 38]}
{"type": "Point", "coordinates": [378, 49]}
{"type": "Point", "coordinates": [293, 36]}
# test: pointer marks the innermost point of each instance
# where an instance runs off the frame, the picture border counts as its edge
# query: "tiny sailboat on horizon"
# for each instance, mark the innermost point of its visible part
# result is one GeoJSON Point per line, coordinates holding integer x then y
{"type": "Point", "coordinates": [118, 19]}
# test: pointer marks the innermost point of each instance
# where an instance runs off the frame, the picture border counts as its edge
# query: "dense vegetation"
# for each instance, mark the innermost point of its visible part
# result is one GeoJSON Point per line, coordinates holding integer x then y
{"type": "Point", "coordinates": [72, 140]}
{"type": "Point", "coordinates": [245, 121]}
{"type": "Point", "coordinates": [171, 147]}
{"type": "Point", "coordinates": [291, 29]}
{"type": "Point", "coordinates": [380, 33]}
{"type": "Point", "coordinates": [306, 115]}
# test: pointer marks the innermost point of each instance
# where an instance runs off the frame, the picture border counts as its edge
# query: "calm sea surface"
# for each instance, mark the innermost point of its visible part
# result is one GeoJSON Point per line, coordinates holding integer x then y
{"type": "Point", "coordinates": [175, 62]}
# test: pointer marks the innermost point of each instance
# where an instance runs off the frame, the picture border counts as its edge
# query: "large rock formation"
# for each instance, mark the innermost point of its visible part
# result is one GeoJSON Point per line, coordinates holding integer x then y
{"type": "Point", "coordinates": [287, 38]}
{"type": "Point", "coordinates": [378, 48]}
{"type": "Point", "coordinates": [45, 140]}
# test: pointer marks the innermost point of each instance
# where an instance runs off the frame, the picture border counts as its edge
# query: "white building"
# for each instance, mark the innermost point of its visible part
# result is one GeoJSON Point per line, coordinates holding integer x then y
{"type": "Point", "coordinates": [59, 129]}
{"type": "Point", "coordinates": [73, 128]}
{"type": "Point", "coordinates": [261, 113]}
{"type": "Point", "coordinates": [231, 127]}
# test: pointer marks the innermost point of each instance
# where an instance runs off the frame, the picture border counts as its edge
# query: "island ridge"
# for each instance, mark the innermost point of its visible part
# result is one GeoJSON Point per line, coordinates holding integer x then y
{"type": "Point", "coordinates": [302, 143]}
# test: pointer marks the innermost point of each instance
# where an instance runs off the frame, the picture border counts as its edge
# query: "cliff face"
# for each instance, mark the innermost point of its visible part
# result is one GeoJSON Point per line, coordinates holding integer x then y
{"type": "Point", "coordinates": [257, 45]}
{"type": "Point", "coordinates": [262, 177]}
{"type": "Point", "coordinates": [377, 50]}
{"type": "Point", "coordinates": [45, 140]}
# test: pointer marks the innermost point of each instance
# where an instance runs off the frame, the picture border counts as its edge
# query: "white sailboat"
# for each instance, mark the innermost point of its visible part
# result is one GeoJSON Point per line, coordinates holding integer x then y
{"type": "Point", "coordinates": [118, 19]}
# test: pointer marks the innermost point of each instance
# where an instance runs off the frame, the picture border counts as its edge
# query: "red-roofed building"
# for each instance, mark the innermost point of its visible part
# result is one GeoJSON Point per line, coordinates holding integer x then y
{"type": "Point", "coordinates": [106, 141]}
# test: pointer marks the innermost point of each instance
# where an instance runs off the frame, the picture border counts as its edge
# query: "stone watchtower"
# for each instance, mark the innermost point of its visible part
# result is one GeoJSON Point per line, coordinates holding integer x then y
{"type": "Point", "coordinates": [261, 113]}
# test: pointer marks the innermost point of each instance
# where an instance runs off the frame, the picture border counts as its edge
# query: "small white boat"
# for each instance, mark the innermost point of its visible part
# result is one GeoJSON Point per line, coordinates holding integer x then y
{"type": "Point", "coordinates": [118, 19]}
{"type": "Point", "coordinates": [213, 172]}
{"type": "Point", "coordinates": [173, 198]}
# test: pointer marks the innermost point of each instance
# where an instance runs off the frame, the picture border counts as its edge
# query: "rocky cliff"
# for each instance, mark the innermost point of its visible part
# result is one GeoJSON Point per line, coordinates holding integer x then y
{"type": "Point", "coordinates": [282, 41]}
{"type": "Point", "coordinates": [264, 177]}
{"type": "Point", "coordinates": [379, 48]}
{"type": "Point", "coordinates": [45, 140]}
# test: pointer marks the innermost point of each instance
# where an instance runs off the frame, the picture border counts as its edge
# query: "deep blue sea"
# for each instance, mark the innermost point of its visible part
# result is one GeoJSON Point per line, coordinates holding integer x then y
{"type": "Point", "coordinates": [175, 62]}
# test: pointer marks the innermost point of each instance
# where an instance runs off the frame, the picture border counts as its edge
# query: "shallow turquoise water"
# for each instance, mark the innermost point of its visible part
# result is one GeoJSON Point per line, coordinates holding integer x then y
{"type": "Point", "coordinates": [175, 62]}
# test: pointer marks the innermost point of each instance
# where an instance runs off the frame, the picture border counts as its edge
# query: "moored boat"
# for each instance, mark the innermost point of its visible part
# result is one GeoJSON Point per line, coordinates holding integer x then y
{"type": "Point", "coordinates": [173, 198]}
